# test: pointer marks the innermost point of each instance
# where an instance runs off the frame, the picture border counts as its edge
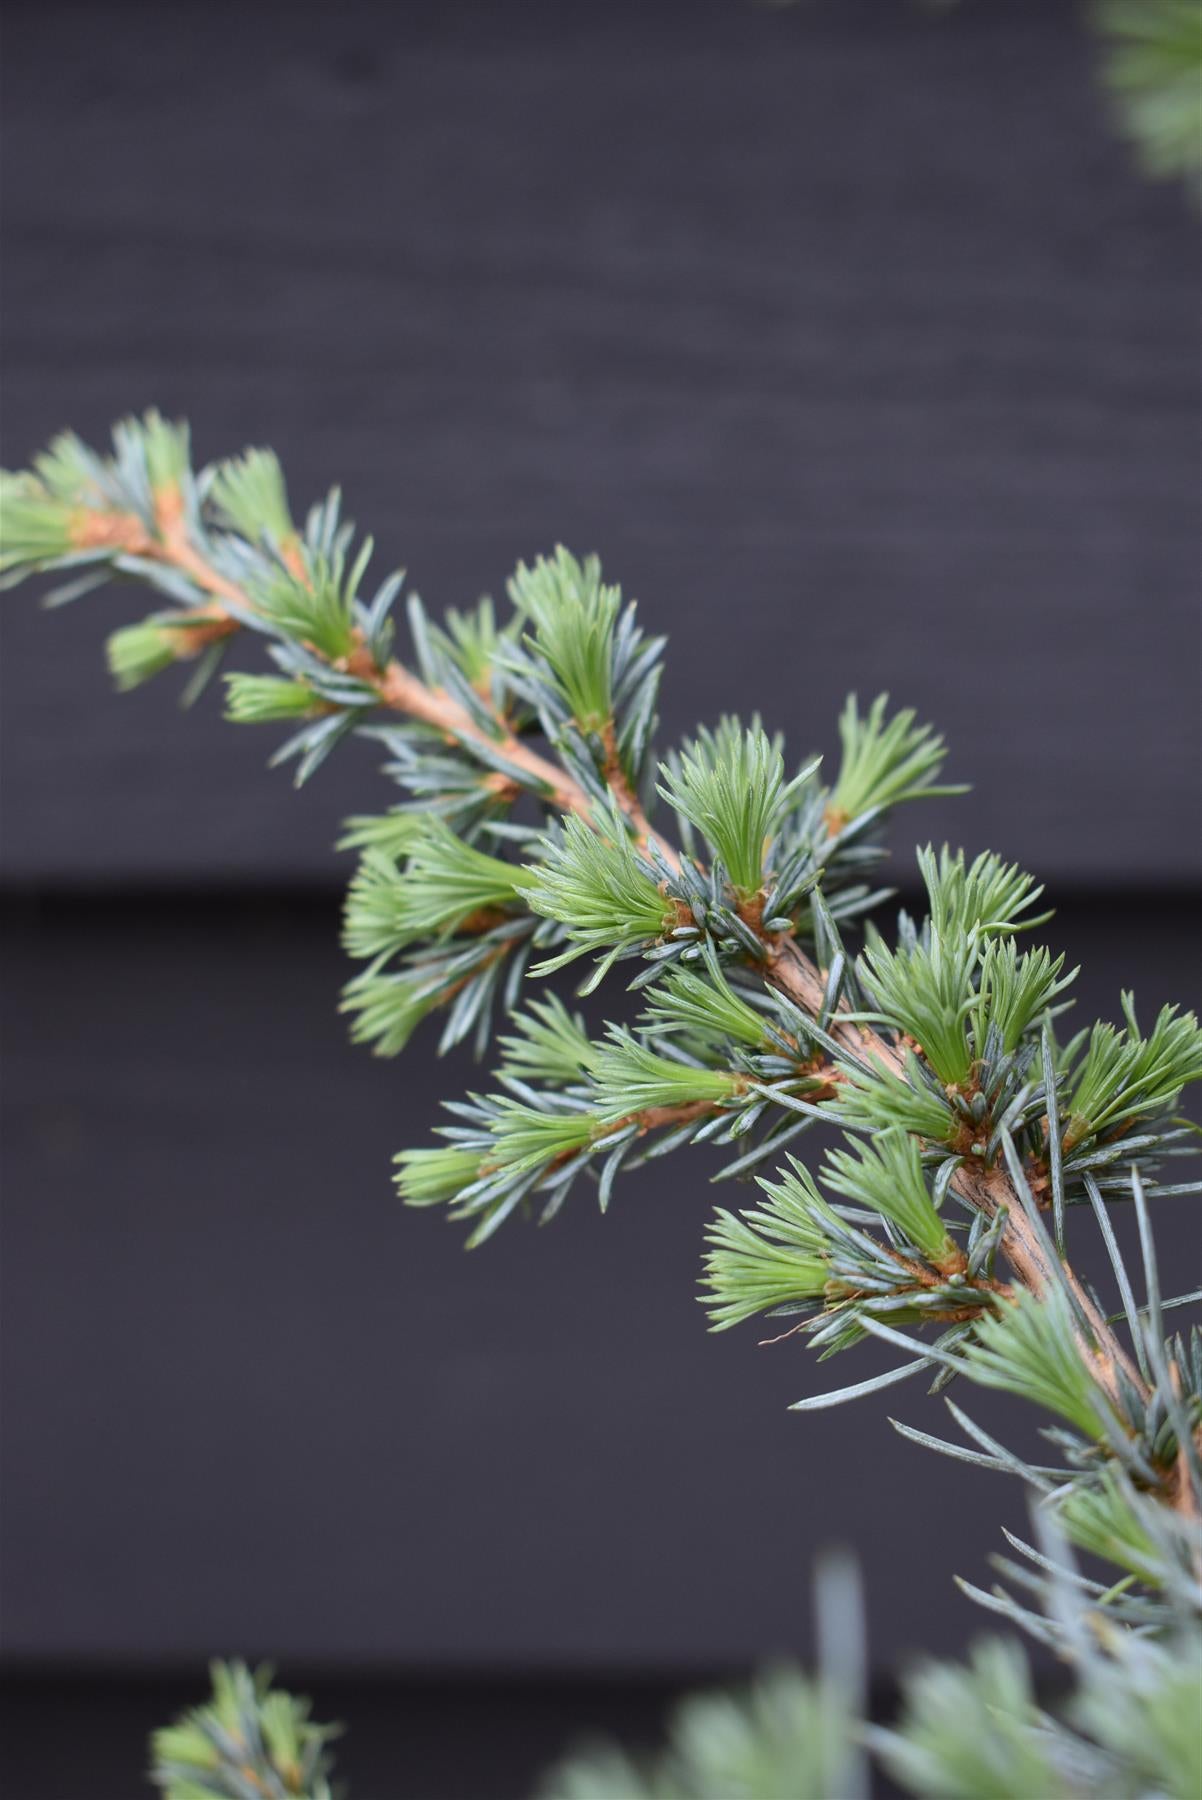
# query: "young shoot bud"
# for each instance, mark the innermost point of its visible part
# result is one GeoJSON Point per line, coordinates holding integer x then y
{"type": "Point", "coordinates": [596, 886]}
{"type": "Point", "coordinates": [872, 1098]}
{"type": "Point", "coordinates": [1029, 1347]}
{"type": "Point", "coordinates": [629, 1077]}
{"type": "Point", "coordinates": [551, 1044]}
{"type": "Point", "coordinates": [385, 1011]}
{"type": "Point", "coordinates": [886, 1174]}
{"type": "Point", "coordinates": [730, 785]}
{"type": "Point", "coordinates": [474, 641]}
{"type": "Point", "coordinates": [526, 1137]}
{"type": "Point", "coordinates": [137, 653]}
{"type": "Point", "coordinates": [1123, 1076]}
{"type": "Point", "coordinates": [432, 1177]}
{"type": "Point", "coordinates": [251, 498]}
{"type": "Point", "coordinates": [266, 699]}
{"type": "Point", "coordinates": [767, 1256]}
{"type": "Point", "coordinates": [35, 524]}
{"type": "Point", "coordinates": [927, 992]}
{"type": "Point", "coordinates": [165, 448]}
{"type": "Point", "coordinates": [1103, 1518]}
{"type": "Point", "coordinates": [392, 833]}
{"type": "Point", "coordinates": [884, 762]}
{"type": "Point", "coordinates": [316, 611]}
{"type": "Point", "coordinates": [684, 1004]}
{"type": "Point", "coordinates": [573, 614]}
{"type": "Point", "coordinates": [988, 895]}
{"type": "Point", "coordinates": [1015, 992]}
{"type": "Point", "coordinates": [443, 885]}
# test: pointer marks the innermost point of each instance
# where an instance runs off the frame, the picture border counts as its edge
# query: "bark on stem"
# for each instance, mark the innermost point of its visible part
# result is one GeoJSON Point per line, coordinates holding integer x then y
{"type": "Point", "coordinates": [398, 689]}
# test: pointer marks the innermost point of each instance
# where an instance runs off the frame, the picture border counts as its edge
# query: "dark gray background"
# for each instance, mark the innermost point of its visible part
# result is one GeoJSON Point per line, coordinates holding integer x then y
{"type": "Point", "coordinates": [845, 332]}
{"type": "Point", "coordinates": [850, 337]}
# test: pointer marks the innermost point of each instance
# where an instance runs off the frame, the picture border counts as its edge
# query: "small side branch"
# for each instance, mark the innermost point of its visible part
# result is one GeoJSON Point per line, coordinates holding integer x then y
{"type": "Point", "coordinates": [397, 687]}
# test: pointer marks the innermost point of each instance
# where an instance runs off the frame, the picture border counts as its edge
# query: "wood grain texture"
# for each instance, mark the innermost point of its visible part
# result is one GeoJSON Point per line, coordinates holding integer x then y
{"type": "Point", "coordinates": [846, 333]}
{"type": "Point", "coordinates": [252, 1404]}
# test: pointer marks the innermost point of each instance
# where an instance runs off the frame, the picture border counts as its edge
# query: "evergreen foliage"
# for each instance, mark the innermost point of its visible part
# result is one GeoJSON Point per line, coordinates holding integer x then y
{"type": "Point", "coordinates": [886, 1176]}
{"type": "Point", "coordinates": [437, 885]}
{"type": "Point", "coordinates": [572, 614]}
{"type": "Point", "coordinates": [1029, 1349]}
{"type": "Point", "coordinates": [729, 785]}
{"type": "Point", "coordinates": [1122, 1076]}
{"type": "Point", "coordinates": [1152, 67]}
{"type": "Point", "coordinates": [886, 759]}
{"type": "Point", "coordinates": [979, 1146]}
{"type": "Point", "coordinates": [785, 1736]}
{"type": "Point", "coordinates": [768, 1258]}
{"type": "Point", "coordinates": [249, 1742]}
{"type": "Point", "coordinates": [597, 887]}
{"type": "Point", "coordinates": [986, 895]}
{"type": "Point", "coordinates": [249, 496]}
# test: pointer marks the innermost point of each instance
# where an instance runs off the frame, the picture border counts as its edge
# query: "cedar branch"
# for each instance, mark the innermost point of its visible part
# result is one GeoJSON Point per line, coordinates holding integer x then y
{"type": "Point", "coordinates": [790, 969]}
{"type": "Point", "coordinates": [397, 687]}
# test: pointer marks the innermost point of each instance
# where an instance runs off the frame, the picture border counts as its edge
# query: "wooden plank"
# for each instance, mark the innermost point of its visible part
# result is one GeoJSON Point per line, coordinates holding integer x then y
{"type": "Point", "coordinates": [252, 1404]}
{"type": "Point", "coordinates": [850, 337]}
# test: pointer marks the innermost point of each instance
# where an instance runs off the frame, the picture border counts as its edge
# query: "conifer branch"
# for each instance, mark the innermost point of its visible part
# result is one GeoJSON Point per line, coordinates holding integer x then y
{"type": "Point", "coordinates": [968, 1123]}
{"type": "Point", "coordinates": [396, 687]}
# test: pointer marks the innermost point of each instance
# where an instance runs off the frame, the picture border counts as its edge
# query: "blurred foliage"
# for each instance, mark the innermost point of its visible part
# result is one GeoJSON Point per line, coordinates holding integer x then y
{"type": "Point", "coordinates": [1152, 68]}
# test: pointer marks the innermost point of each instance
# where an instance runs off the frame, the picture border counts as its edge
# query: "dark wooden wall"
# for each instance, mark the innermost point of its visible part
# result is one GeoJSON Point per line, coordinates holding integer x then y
{"type": "Point", "coordinates": [849, 336]}
{"type": "Point", "coordinates": [845, 332]}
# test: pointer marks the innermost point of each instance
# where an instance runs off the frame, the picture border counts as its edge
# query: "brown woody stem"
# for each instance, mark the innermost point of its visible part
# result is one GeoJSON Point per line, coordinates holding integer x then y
{"type": "Point", "coordinates": [398, 689]}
